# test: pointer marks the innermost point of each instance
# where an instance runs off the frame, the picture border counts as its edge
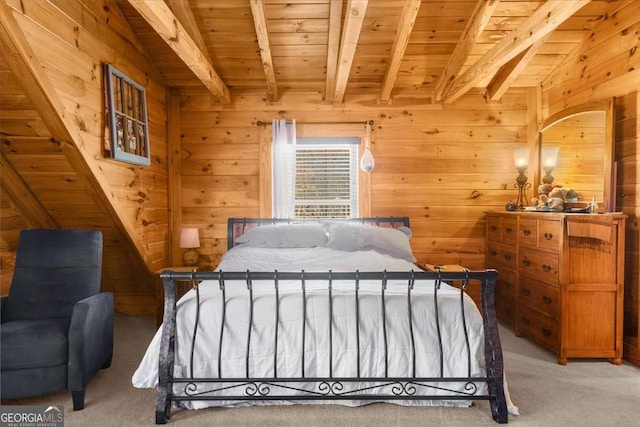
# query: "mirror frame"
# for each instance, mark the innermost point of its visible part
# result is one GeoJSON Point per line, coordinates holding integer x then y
{"type": "Point", "coordinates": [607, 106]}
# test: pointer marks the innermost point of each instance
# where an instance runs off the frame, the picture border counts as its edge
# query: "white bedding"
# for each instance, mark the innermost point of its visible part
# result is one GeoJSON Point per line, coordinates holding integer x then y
{"type": "Point", "coordinates": [245, 257]}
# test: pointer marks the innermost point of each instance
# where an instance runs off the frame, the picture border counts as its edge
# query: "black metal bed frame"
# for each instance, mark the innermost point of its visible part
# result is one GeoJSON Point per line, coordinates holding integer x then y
{"type": "Point", "coordinates": [410, 387]}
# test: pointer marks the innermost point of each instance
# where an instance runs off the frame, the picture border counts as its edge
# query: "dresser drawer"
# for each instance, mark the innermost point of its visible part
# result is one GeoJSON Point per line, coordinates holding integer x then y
{"type": "Point", "coordinates": [537, 295]}
{"type": "Point", "coordinates": [549, 235]}
{"type": "Point", "coordinates": [502, 229]}
{"type": "Point", "coordinates": [493, 228]}
{"type": "Point", "coordinates": [505, 310]}
{"type": "Point", "coordinates": [538, 265]}
{"type": "Point", "coordinates": [501, 256]}
{"type": "Point", "coordinates": [539, 327]}
{"type": "Point", "coordinates": [528, 232]}
{"type": "Point", "coordinates": [508, 230]}
{"type": "Point", "coordinates": [492, 255]}
{"type": "Point", "coordinates": [506, 285]}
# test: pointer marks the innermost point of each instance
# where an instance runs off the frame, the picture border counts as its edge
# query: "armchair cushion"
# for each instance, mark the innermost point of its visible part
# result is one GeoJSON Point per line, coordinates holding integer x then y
{"type": "Point", "coordinates": [34, 343]}
{"type": "Point", "coordinates": [54, 269]}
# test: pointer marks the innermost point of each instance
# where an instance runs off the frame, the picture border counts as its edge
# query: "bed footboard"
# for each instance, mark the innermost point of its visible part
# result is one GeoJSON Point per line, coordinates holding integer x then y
{"type": "Point", "coordinates": [332, 387]}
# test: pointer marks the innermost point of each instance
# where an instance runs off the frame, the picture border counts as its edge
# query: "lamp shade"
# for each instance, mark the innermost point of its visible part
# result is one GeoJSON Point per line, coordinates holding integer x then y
{"type": "Point", "coordinates": [189, 238]}
{"type": "Point", "coordinates": [549, 157]}
{"type": "Point", "coordinates": [521, 157]}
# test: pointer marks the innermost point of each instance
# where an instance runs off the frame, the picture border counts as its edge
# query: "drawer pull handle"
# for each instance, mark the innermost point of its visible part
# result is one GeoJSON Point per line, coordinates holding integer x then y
{"type": "Point", "coordinates": [507, 284]}
{"type": "Point", "coordinates": [526, 291]}
{"type": "Point", "coordinates": [546, 332]}
{"type": "Point", "coordinates": [546, 299]}
{"type": "Point", "coordinates": [526, 262]}
{"type": "Point", "coordinates": [508, 230]}
{"type": "Point", "coordinates": [494, 228]}
{"type": "Point", "coordinates": [546, 268]}
{"type": "Point", "coordinates": [525, 320]}
{"type": "Point", "coordinates": [493, 253]}
{"type": "Point", "coordinates": [526, 232]}
{"type": "Point", "coordinates": [548, 236]}
{"type": "Point", "coordinates": [507, 257]}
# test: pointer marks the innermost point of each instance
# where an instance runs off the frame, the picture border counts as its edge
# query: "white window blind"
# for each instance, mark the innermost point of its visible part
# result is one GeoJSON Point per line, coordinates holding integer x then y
{"type": "Point", "coordinates": [326, 180]}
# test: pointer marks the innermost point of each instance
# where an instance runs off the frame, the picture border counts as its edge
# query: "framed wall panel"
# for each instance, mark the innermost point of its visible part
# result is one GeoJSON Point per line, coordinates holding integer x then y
{"type": "Point", "coordinates": [127, 111]}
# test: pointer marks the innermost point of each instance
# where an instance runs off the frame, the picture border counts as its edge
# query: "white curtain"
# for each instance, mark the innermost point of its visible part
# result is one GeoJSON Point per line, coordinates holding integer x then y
{"type": "Point", "coordinates": [284, 168]}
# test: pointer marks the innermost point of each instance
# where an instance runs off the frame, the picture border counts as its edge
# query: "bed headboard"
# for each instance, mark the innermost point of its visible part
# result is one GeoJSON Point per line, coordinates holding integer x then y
{"type": "Point", "coordinates": [236, 227]}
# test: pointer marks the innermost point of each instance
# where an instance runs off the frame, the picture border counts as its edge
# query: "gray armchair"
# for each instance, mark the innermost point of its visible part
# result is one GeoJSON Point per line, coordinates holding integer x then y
{"type": "Point", "coordinates": [57, 327]}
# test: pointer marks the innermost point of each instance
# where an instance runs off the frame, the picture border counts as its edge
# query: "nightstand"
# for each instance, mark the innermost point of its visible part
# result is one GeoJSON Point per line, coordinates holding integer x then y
{"type": "Point", "coordinates": [473, 289]}
{"type": "Point", "coordinates": [182, 287]}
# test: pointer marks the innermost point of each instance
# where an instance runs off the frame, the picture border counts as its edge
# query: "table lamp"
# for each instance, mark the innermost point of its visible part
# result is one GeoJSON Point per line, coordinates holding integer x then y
{"type": "Point", "coordinates": [189, 239]}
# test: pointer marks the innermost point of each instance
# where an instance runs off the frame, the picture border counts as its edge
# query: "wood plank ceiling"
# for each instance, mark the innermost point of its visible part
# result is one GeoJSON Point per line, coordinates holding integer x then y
{"type": "Point", "coordinates": [340, 47]}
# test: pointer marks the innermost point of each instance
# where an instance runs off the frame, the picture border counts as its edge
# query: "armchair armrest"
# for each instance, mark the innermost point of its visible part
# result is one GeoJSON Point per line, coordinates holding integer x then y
{"type": "Point", "coordinates": [90, 339]}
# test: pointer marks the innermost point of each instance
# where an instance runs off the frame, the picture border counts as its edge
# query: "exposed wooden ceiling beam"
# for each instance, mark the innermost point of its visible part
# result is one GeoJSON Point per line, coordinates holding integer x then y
{"type": "Point", "coordinates": [260, 22]}
{"type": "Point", "coordinates": [510, 71]}
{"type": "Point", "coordinates": [183, 12]}
{"type": "Point", "coordinates": [356, 10]}
{"type": "Point", "coordinates": [405, 26]}
{"type": "Point", "coordinates": [542, 22]}
{"type": "Point", "coordinates": [22, 198]}
{"type": "Point", "coordinates": [167, 25]}
{"type": "Point", "coordinates": [333, 48]}
{"type": "Point", "coordinates": [475, 26]}
{"type": "Point", "coordinates": [29, 72]}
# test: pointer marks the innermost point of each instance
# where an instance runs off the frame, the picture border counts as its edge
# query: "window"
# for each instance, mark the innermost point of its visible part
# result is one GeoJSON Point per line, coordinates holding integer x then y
{"type": "Point", "coordinates": [326, 177]}
{"type": "Point", "coordinates": [278, 152]}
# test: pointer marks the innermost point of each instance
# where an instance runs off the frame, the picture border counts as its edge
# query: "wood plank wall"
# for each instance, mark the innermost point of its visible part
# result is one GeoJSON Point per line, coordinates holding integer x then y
{"type": "Point", "coordinates": [72, 40]}
{"type": "Point", "coordinates": [608, 65]}
{"type": "Point", "coordinates": [441, 166]}
{"type": "Point", "coordinates": [628, 200]}
{"type": "Point", "coordinates": [12, 222]}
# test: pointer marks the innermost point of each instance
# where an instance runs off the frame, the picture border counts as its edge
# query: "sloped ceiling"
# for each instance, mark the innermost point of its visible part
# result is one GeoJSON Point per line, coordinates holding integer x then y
{"type": "Point", "coordinates": [49, 167]}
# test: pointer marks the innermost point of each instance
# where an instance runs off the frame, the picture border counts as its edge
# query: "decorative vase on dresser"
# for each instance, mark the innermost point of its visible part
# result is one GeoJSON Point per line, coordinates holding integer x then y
{"type": "Point", "coordinates": [560, 280]}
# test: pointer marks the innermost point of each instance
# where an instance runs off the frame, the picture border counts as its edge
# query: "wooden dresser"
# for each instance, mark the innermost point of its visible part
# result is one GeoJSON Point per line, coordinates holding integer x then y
{"type": "Point", "coordinates": [560, 280]}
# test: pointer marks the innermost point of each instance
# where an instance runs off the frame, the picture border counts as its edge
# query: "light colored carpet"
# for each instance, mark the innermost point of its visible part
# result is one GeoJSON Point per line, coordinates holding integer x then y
{"type": "Point", "coordinates": [585, 392]}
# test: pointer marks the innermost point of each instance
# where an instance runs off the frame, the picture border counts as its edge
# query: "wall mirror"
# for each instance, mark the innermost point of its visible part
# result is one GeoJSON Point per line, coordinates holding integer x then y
{"type": "Point", "coordinates": [584, 138]}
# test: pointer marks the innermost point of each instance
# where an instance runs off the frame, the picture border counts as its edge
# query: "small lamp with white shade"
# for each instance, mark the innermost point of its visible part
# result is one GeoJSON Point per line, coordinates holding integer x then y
{"type": "Point", "coordinates": [189, 239]}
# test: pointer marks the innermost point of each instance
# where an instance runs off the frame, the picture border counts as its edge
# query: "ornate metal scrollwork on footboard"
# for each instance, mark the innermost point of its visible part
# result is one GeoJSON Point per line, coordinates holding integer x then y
{"type": "Point", "coordinates": [331, 387]}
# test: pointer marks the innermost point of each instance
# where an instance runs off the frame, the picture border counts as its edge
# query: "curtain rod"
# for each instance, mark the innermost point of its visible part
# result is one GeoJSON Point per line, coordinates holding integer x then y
{"type": "Point", "coordinates": [370, 122]}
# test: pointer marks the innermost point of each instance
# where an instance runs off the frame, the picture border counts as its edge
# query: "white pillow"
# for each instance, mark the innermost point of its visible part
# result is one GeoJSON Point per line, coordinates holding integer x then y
{"type": "Point", "coordinates": [285, 236]}
{"type": "Point", "coordinates": [358, 237]}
